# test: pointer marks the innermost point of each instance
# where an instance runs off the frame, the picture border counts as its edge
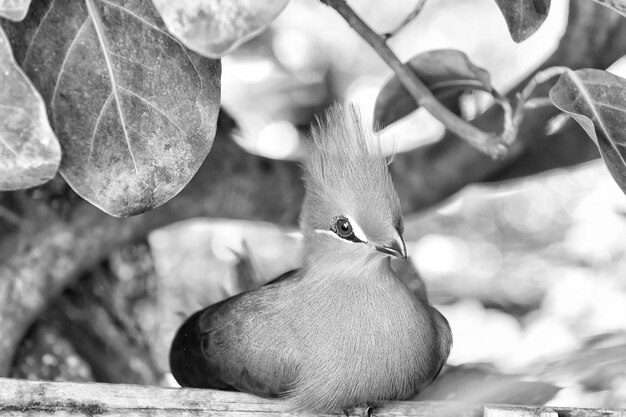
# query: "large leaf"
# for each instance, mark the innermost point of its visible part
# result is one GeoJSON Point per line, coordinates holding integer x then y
{"type": "Point", "coordinates": [446, 72]}
{"type": "Point", "coordinates": [523, 17]}
{"type": "Point", "coordinates": [14, 10]}
{"type": "Point", "coordinates": [29, 152]}
{"type": "Point", "coordinates": [617, 5]}
{"type": "Point", "coordinates": [596, 99]}
{"type": "Point", "coordinates": [215, 27]}
{"type": "Point", "coordinates": [134, 110]}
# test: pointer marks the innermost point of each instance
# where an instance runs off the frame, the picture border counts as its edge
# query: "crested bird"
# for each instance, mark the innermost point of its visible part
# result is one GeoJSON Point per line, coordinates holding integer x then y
{"type": "Point", "coordinates": [341, 331]}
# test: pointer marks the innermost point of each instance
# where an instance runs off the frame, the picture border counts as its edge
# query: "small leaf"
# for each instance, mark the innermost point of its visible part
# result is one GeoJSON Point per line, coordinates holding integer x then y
{"type": "Point", "coordinates": [134, 110]}
{"type": "Point", "coordinates": [595, 99]}
{"type": "Point", "coordinates": [213, 28]}
{"type": "Point", "coordinates": [595, 365]}
{"type": "Point", "coordinates": [523, 17]}
{"type": "Point", "coordinates": [247, 275]}
{"type": "Point", "coordinates": [446, 72]}
{"type": "Point", "coordinates": [14, 10]}
{"type": "Point", "coordinates": [481, 383]}
{"type": "Point", "coordinates": [618, 5]}
{"type": "Point", "coordinates": [30, 154]}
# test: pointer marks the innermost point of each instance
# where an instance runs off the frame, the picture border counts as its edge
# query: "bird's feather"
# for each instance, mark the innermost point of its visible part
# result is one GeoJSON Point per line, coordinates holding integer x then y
{"type": "Point", "coordinates": [345, 170]}
{"type": "Point", "coordinates": [342, 330]}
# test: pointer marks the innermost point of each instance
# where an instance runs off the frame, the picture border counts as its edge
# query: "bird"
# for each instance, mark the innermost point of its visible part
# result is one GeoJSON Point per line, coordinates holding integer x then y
{"type": "Point", "coordinates": [341, 331]}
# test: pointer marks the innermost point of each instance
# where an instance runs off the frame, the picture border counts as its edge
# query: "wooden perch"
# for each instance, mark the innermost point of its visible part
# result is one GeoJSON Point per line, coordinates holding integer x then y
{"type": "Point", "coordinates": [35, 398]}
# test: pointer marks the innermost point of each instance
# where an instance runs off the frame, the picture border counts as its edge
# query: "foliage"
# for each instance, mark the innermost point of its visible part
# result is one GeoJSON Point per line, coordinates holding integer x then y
{"type": "Point", "coordinates": [29, 149]}
{"type": "Point", "coordinates": [525, 17]}
{"type": "Point", "coordinates": [214, 28]}
{"type": "Point", "coordinates": [134, 110]}
{"type": "Point", "coordinates": [595, 99]}
{"type": "Point", "coordinates": [113, 65]}
{"type": "Point", "coordinates": [14, 10]}
{"type": "Point", "coordinates": [447, 73]}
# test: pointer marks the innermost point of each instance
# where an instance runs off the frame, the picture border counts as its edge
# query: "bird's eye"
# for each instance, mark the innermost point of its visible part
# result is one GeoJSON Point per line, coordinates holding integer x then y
{"type": "Point", "coordinates": [342, 228]}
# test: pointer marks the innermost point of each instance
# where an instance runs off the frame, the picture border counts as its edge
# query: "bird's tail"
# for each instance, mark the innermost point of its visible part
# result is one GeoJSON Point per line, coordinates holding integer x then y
{"type": "Point", "coordinates": [189, 366]}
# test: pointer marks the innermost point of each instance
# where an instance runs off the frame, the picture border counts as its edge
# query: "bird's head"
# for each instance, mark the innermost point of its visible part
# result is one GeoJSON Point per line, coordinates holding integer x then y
{"type": "Point", "coordinates": [351, 210]}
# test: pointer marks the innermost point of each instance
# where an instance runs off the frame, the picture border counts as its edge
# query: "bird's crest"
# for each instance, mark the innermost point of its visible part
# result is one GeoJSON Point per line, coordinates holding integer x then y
{"type": "Point", "coordinates": [345, 171]}
{"type": "Point", "coordinates": [339, 148]}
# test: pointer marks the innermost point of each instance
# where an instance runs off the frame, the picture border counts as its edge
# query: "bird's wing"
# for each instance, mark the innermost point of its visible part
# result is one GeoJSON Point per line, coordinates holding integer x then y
{"type": "Point", "coordinates": [188, 363]}
{"type": "Point", "coordinates": [284, 277]}
{"type": "Point", "coordinates": [444, 339]}
{"type": "Point", "coordinates": [220, 347]}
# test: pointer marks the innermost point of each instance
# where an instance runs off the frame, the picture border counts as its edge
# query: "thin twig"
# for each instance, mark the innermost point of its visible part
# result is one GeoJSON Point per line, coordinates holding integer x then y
{"type": "Point", "coordinates": [524, 95]}
{"type": "Point", "coordinates": [510, 127]}
{"type": "Point", "coordinates": [416, 11]}
{"type": "Point", "coordinates": [10, 216]}
{"type": "Point", "coordinates": [488, 143]}
{"type": "Point", "coordinates": [537, 102]}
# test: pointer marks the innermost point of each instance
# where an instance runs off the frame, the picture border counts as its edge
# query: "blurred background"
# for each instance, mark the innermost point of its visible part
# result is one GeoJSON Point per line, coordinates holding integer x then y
{"type": "Point", "coordinates": [529, 273]}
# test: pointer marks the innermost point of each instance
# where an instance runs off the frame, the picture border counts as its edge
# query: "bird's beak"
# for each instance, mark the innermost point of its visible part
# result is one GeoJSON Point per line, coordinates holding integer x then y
{"type": "Point", "coordinates": [396, 248]}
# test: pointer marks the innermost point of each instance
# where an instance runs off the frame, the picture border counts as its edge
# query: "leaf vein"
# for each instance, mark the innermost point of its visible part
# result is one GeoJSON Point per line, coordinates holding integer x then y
{"type": "Point", "coordinates": [8, 106]}
{"type": "Point", "coordinates": [585, 96]}
{"type": "Point", "coordinates": [65, 59]}
{"type": "Point", "coordinates": [610, 106]}
{"type": "Point", "coordinates": [602, 83]}
{"type": "Point", "coordinates": [141, 19]}
{"type": "Point", "coordinates": [9, 147]}
{"type": "Point", "coordinates": [133, 61]}
{"type": "Point", "coordinates": [2, 139]}
{"type": "Point", "coordinates": [156, 188]}
{"type": "Point", "coordinates": [158, 29]}
{"type": "Point", "coordinates": [97, 125]}
{"type": "Point", "coordinates": [154, 106]}
{"type": "Point", "coordinates": [34, 38]}
{"type": "Point", "coordinates": [193, 65]}
{"type": "Point", "coordinates": [105, 51]}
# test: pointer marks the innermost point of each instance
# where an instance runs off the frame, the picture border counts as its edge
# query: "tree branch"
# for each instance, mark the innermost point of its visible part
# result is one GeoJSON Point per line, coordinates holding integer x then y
{"type": "Point", "coordinates": [434, 172]}
{"type": "Point", "coordinates": [67, 398]}
{"type": "Point", "coordinates": [489, 143]}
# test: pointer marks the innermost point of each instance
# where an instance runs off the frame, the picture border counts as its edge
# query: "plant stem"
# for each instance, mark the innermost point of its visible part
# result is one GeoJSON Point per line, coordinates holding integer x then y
{"type": "Point", "coordinates": [10, 217]}
{"type": "Point", "coordinates": [416, 11]}
{"type": "Point", "coordinates": [535, 103]}
{"type": "Point", "coordinates": [489, 143]}
{"type": "Point", "coordinates": [524, 95]}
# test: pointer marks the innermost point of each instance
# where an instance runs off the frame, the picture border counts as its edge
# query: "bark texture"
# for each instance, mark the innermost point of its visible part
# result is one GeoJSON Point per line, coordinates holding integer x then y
{"type": "Point", "coordinates": [37, 398]}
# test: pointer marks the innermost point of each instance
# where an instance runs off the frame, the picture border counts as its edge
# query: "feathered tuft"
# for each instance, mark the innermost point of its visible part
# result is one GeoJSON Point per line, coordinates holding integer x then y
{"type": "Point", "coordinates": [339, 149]}
{"type": "Point", "coordinates": [342, 330]}
{"type": "Point", "coordinates": [344, 170]}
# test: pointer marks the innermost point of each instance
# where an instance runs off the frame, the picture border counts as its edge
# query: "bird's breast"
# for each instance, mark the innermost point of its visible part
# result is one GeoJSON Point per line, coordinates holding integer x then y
{"type": "Point", "coordinates": [366, 342]}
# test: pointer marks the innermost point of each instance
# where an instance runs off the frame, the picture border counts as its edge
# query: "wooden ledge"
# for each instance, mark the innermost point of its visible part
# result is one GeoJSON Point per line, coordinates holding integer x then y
{"type": "Point", "coordinates": [38, 398]}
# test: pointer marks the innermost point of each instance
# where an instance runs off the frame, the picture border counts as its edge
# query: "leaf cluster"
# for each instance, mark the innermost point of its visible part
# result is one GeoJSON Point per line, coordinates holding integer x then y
{"type": "Point", "coordinates": [122, 98]}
